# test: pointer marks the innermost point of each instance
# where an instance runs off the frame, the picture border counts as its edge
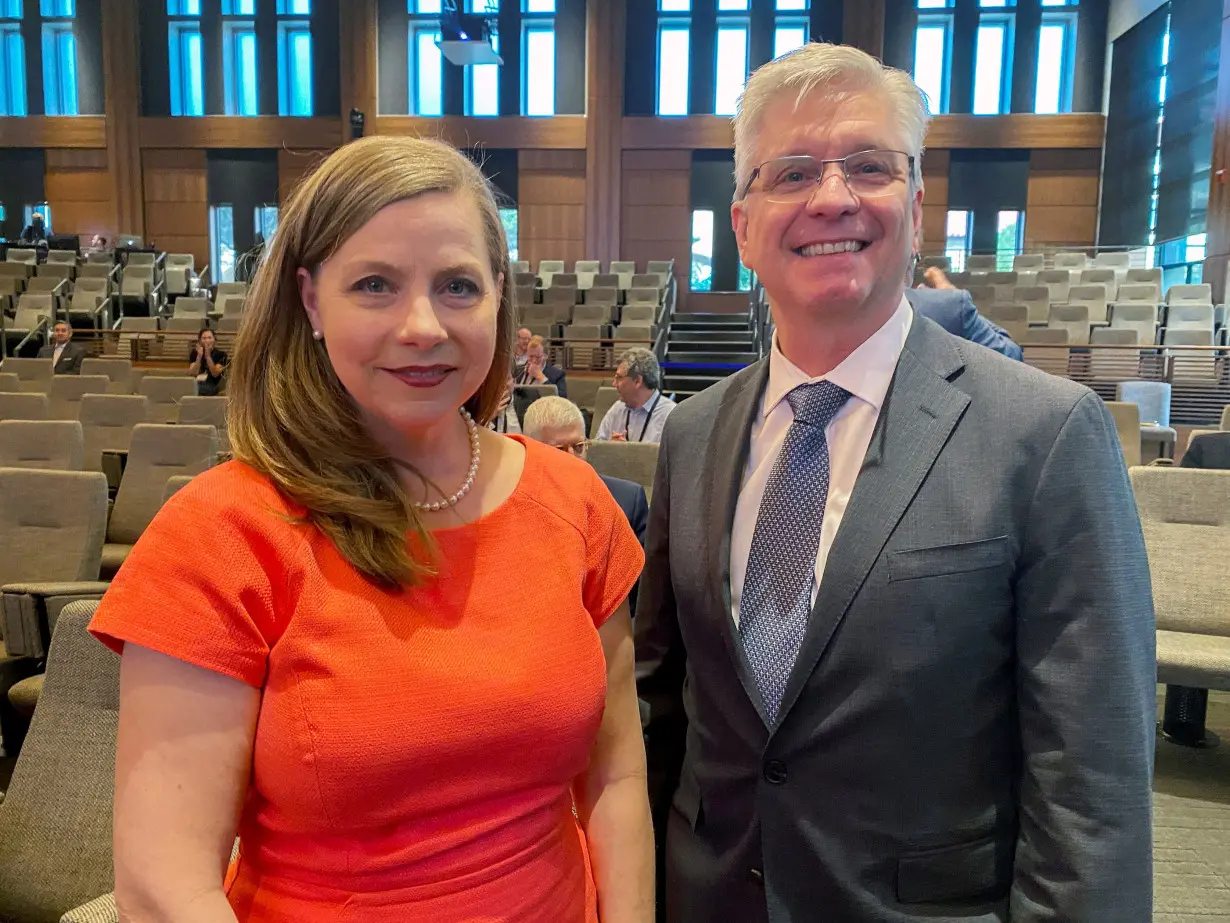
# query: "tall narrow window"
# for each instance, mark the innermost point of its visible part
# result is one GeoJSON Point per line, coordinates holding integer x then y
{"type": "Point", "coordinates": [731, 68]}
{"type": "Point", "coordinates": [790, 32]}
{"type": "Point", "coordinates": [265, 221]}
{"type": "Point", "coordinates": [239, 68]}
{"type": "Point", "coordinates": [958, 237]}
{"type": "Point", "coordinates": [702, 250]}
{"type": "Point", "coordinates": [674, 46]}
{"type": "Point", "coordinates": [185, 57]}
{"type": "Point", "coordinates": [222, 242]}
{"type": "Point", "coordinates": [508, 218]}
{"type": "Point", "coordinates": [538, 57]}
{"type": "Point", "coordinates": [426, 61]}
{"type": "Point", "coordinates": [933, 52]}
{"type": "Point", "coordinates": [1009, 238]}
{"type": "Point", "coordinates": [993, 58]}
{"type": "Point", "coordinates": [1056, 63]}
{"type": "Point", "coordinates": [294, 58]}
{"type": "Point", "coordinates": [59, 57]}
{"type": "Point", "coordinates": [12, 60]}
{"type": "Point", "coordinates": [483, 80]}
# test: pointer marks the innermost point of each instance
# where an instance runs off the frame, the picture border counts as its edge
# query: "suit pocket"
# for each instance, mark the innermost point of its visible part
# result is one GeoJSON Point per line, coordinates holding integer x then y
{"type": "Point", "coordinates": [981, 869]}
{"type": "Point", "coordinates": [948, 559]}
{"type": "Point", "coordinates": [687, 798]}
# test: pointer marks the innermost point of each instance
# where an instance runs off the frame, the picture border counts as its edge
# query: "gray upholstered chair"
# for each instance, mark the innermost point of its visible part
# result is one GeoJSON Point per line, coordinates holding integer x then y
{"type": "Point", "coordinates": [66, 392]}
{"type": "Point", "coordinates": [118, 370]}
{"type": "Point", "coordinates": [34, 374]}
{"type": "Point", "coordinates": [56, 445]}
{"type": "Point", "coordinates": [175, 484]}
{"type": "Point", "coordinates": [603, 401]}
{"type": "Point", "coordinates": [157, 452]}
{"type": "Point", "coordinates": [164, 393]}
{"type": "Point", "coordinates": [632, 461]}
{"type": "Point", "coordinates": [1153, 398]}
{"type": "Point", "coordinates": [1185, 514]}
{"type": "Point", "coordinates": [55, 821]}
{"type": "Point", "coordinates": [1127, 424]}
{"type": "Point", "coordinates": [23, 405]}
{"type": "Point", "coordinates": [107, 420]}
{"type": "Point", "coordinates": [205, 411]}
{"type": "Point", "coordinates": [9, 382]}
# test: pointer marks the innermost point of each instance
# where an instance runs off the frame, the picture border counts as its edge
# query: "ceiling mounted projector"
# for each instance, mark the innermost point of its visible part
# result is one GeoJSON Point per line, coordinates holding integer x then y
{"type": "Point", "coordinates": [466, 39]}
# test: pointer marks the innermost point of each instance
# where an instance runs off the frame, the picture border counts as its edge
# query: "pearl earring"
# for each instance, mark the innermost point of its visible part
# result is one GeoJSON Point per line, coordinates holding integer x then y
{"type": "Point", "coordinates": [317, 335]}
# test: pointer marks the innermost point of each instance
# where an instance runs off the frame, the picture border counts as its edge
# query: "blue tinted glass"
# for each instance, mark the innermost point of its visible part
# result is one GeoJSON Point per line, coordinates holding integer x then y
{"type": "Point", "coordinates": [238, 7]}
{"type": "Point", "coordinates": [788, 38]}
{"type": "Point", "coordinates": [294, 7]}
{"type": "Point", "coordinates": [295, 70]}
{"type": "Point", "coordinates": [247, 69]}
{"type": "Point", "coordinates": [731, 69]}
{"type": "Point", "coordinates": [59, 70]}
{"type": "Point", "coordinates": [53, 8]}
{"type": "Point", "coordinates": [425, 6]}
{"type": "Point", "coordinates": [12, 71]}
{"type": "Point", "coordinates": [931, 63]}
{"type": "Point", "coordinates": [428, 73]}
{"type": "Point", "coordinates": [673, 71]}
{"type": "Point", "coordinates": [792, 4]}
{"type": "Point", "coordinates": [540, 72]}
{"type": "Point", "coordinates": [539, 6]}
{"type": "Point", "coordinates": [184, 7]}
{"type": "Point", "coordinates": [10, 9]}
{"type": "Point", "coordinates": [989, 69]}
{"type": "Point", "coordinates": [484, 85]}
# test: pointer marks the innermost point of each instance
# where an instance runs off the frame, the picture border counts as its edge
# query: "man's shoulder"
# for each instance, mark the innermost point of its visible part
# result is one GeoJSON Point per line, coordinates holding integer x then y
{"type": "Point", "coordinates": [625, 492]}
{"type": "Point", "coordinates": [1012, 390]}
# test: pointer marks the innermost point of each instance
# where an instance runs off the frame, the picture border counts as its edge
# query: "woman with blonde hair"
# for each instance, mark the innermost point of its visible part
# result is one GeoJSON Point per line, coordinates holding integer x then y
{"type": "Point", "coordinates": [339, 673]}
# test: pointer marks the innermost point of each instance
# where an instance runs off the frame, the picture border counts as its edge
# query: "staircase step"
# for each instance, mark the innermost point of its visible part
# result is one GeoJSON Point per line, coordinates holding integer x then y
{"type": "Point", "coordinates": [707, 346]}
{"type": "Point", "coordinates": [710, 322]}
{"type": "Point", "coordinates": [711, 336]}
{"type": "Point", "coordinates": [729, 360]}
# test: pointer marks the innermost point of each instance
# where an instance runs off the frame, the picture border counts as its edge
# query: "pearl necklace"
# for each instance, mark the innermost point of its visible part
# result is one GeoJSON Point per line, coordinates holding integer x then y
{"type": "Point", "coordinates": [475, 454]}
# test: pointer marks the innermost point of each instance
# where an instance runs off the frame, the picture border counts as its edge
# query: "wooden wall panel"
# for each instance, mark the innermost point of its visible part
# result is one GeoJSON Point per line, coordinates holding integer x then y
{"type": "Point", "coordinates": [122, 90]}
{"type": "Point", "coordinates": [293, 166]}
{"type": "Point", "coordinates": [935, 199]}
{"type": "Point", "coordinates": [78, 187]}
{"type": "Point", "coordinates": [177, 201]}
{"type": "Point", "coordinates": [605, 40]}
{"type": "Point", "coordinates": [656, 220]}
{"type": "Point", "coordinates": [551, 205]}
{"type": "Point", "coordinates": [1062, 204]}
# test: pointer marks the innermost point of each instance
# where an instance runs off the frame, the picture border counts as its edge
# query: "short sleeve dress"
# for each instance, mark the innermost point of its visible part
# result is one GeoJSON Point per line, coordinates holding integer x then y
{"type": "Point", "coordinates": [416, 748]}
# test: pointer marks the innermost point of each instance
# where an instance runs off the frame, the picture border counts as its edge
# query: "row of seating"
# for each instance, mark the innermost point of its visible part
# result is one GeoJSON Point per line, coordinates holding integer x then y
{"type": "Point", "coordinates": [637, 313]}
{"type": "Point", "coordinates": [1072, 260]}
{"type": "Point", "coordinates": [1060, 291]}
{"type": "Point", "coordinates": [165, 399]}
{"type": "Point", "coordinates": [1188, 325]}
{"type": "Point", "coordinates": [37, 375]}
{"type": "Point", "coordinates": [586, 274]}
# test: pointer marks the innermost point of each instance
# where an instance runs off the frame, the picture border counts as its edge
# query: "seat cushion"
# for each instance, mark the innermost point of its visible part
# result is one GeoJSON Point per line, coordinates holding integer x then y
{"type": "Point", "coordinates": [1163, 434]}
{"type": "Point", "coordinates": [1201, 661]}
{"type": "Point", "coordinates": [113, 556]}
{"type": "Point", "coordinates": [23, 696]}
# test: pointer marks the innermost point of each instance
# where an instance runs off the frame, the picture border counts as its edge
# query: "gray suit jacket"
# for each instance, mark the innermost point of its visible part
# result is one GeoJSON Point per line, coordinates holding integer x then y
{"type": "Point", "coordinates": [70, 359]}
{"type": "Point", "coordinates": [967, 734]}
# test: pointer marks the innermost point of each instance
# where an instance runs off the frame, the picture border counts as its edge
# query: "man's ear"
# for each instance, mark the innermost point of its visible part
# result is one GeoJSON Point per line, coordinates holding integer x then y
{"type": "Point", "coordinates": [738, 222]}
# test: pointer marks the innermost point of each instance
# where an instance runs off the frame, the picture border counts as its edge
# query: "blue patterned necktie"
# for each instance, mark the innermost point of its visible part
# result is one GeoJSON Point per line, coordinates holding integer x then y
{"type": "Point", "coordinates": [776, 600]}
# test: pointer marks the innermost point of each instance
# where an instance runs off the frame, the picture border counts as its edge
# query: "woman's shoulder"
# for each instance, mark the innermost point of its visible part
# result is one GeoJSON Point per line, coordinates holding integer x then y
{"type": "Point", "coordinates": [235, 492]}
{"type": "Point", "coordinates": [562, 483]}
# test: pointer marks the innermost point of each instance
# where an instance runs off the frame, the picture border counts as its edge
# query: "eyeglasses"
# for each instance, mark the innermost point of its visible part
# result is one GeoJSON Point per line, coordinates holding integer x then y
{"type": "Point", "coordinates": [867, 174]}
{"type": "Point", "coordinates": [575, 448]}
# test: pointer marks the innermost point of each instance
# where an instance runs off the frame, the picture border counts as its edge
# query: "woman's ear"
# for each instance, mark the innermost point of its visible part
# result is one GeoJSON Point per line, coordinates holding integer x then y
{"type": "Point", "coordinates": [308, 295]}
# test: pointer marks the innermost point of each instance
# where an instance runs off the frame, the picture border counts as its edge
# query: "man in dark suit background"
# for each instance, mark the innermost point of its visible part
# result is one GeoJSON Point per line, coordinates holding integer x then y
{"type": "Point", "coordinates": [953, 309]}
{"type": "Point", "coordinates": [537, 371]}
{"type": "Point", "coordinates": [1211, 450]}
{"type": "Point", "coordinates": [65, 355]}
{"type": "Point", "coordinates": [895, 592]}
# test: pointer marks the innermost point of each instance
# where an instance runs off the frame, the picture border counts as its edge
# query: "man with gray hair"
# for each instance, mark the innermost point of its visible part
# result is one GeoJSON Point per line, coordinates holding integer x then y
{"type": "Point", "coordinates": [642, 409]}
{"type": "Point", "coordinates": [895, 599]}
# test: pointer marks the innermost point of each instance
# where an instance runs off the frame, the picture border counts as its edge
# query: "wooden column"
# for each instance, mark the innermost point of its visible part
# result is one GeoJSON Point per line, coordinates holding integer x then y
{"type": "Point", "coordinates": [358, 63]}
{"type": "Point", "coordinates": [606, 23]}
{"type": "Point", "coordinates": [863, 25]}
{"type": "Point", "coordinates": [1217, 261]}
{"type": "Point", "coordinates": [121, 76]}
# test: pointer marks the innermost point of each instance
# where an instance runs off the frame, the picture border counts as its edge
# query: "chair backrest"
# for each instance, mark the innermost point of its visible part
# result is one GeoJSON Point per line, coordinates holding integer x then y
{"type": "Point", "coordinates": [165, 393]}
{"type": "Point", "coordinates": [632, 461]}
{"type": "Point", "coordinates": [9, 382]}
{"type": "Point", "coordinates": [139, 325]}
{"type": "Point", "coordinates": [45, 283]}
{"type": "Point", "coordinates": [634, 313]}
{"type": "Point", "coordinates": [1068, 261]}
{"type": "Point", "coordinates": [193, 307]}
{"type": "Point", "coordinates": [98, 285]}
{"type": "Point", "coordinates": [660, 267]}
{"type": "Point", "coordinates": [624, 270]}
{"type": "Point", "coordinates": [1185, 517]}
{"type": "Point", "coordinates": [526, 279]}
{"type": "Point", "coordinates": [66, 391]}
{"type": "Point", "coordinates": [29, 318]}
{"type": "Point", "coordinates": [1119, 262]}
{"type": "Point", "coordinates": [1059, 281]}
{"type": "Point", "coordinates": [642, 295]}
{"type": "Point", "coordinates": [981, 262]}
{"type": "Point", "coordinates": [983, 296]}
{"type": "Point", "coordinates": [547, 269]}
{"type": "Point", "coordinates": [180, 261]}
{"type": "Point", "coordinates": [55, 445]}
{"type": "Point", "coordinates": [1093, 297]}
{"type": "Point", "coordinates": [51, 526]}
{"type": "Point", "coordinates": [646, 280]}
{"type": "Point", "coordinates": [583, 392]}
{"type": "Point", "coordinates": [564, 280]}
{"type": "Point", "coordinates": [521, 266]}
{"type": "Point", "coordinates": [1073, 318]}
{"type": "Point", "coordinates": [1188, 336]}
{"type": "Point", "coordinates": [118, 370]}
{"type": "Point", "coordinates": [142, 259]}
{"type": "Point", "coordinates": [1127, 425]}
{"type": "Point", "coordinates": [591, 314]}
{"type": "Point", "coordinates": [560, 294]}
{"type": "Point", "coordinates": [1006, 313]}
{"type": "Point", "coordinates": [602, 294]}
{"type": "Point", "coordinates": [607, 280]}
{"type": "Point", "coordinates": [1190, 294]}
{"type": "Point", "coordinates": [94, 271]}
{"type": "Point", "coordinates": [231, 288]}
{"type": "Point", "coordinates": [1139, 317]}
{"type": "Point", "coordinates": [1102, 276]}
{"type": "Point", "coordinates": [66, 771]}
{"type": "Point", "coordinates": [1188, 315]}
{"type": "Point", "coordinates": [175, 484]}
{"type": "Point", "coordinates": [603, 400]}
{"type": "Point", "coordinates": [23, 405]}
{"type": "Point", "coordinates": [34, 374]}
{"type": "Point", "coordinates": [1114, 336]}
{"type": "Point", "coordinates": [108, 421]}
{"type": "Point", "coordinates": [156, 453]}
{"type": "Point", "coordinates": [37, 301]}
{"type": "Point", "coordinates": [61, 258]}
{"type": "Point", "coordinates": [1151, 277]}
{"type": "Point", "coordinates": [232, 305]}
{"type": "Point", "coordinates": [22, 255]}
{"type": "Point", "coordinates": [205, 411]}
{"type": "Point", "coordinates": [1137, 293]}
{"type": "Point", "coordinates": [1036, 298]}
{"type": "Point", "coordinates": [84, 302]}
{"type": "Point", "coordinates": [1152, 397]}
{"type": "Point", "coordinates": [591, 266]}
{"type": "Point", "coordinates": [1029, 262]}
{"type": "Point", "coordinates": [1046, 336]}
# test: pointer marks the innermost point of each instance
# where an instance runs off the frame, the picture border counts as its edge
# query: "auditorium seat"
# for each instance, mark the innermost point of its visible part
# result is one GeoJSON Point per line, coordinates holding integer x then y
{"type": "Point", "coordinates": [565, 280]}
{"type": "Point", "coordinates": [65, 392]}
{"type": "Point", "coordinates": [55, 822]}
{"type": "Point", "coordinates": [24, 255]}
{"type": "Point", "coordinates": [138, 293]}
{"type": "Point", "coordinates": [591, 314]}
{"type": "Point", "coordinates": [26, 333]}
{"type": "Point", "coordinates": [1137, 293]}
{"type": "Point", "coordinates": [1119, 263]}
{"type": "Point", "coordinates": [1185, 517]}
{"type": "Point", "coordinates": [639, 313]}
{"type": "Point", "coordinates": [1127, 426]}
{"type": "Point", "coordinates": [523, 296]}
{"type": "Point", "coordinates": [89, 308]}
{"type": "Point", "coordinates": [9, 382]}
{"type": "Point", "coordinates": [1027, 266]}
{"type": "Point", "coordinates": [206, 411]}
{"type": "Point", "coordinates": [559, 294]}
{"type": "Point", "coordinates": [184, 332]}
{"type": "Point", "coordinates": [119, 371]}
{"type": "Point", "coordinates": [48, 284]}
{"type": "Point", "coordinates": [156, 453]}
{"type": "Point", "coordinates": [981, 263]}
{"type": "Point", "coordinates": [1114, 364]}
{"type": "Point", "coordinates": [646, 280]}
{"type": "Point", "coordinates": [62, 257]}
{"type": "Point", "coordinates": [180, 270]}
{"type": "Point", "coordinates": [108, 421]}
{"type": "Point", "coordinates": [1013, 318]}
{"type": "Point", "coordinates": [983, 296]}
{"type": "Point", "coordinates": [583, 355]}
{"type": "Point", "coordinates": [175, 484]}
{"type": "Point", "coordinates": [1191, 367]}
{"type": "Point", "coordinates": [1046, 348]}
{"type": "Point", "coordinates": [34, 374]}
{"type": "Point", "coordinates": [602, 294]}
{"type": "Point", "coordinates": [959, 279]}
{"type": "Point", "coordinates": [632, 461]}
{"type": "Point", "coordinates": [23, 405]}
{"type": "Point", "coordinates": [1139, 317]}
{"type": "Point", "coordinates": [1184, 315]}
{"type": "Point", "coordinates": [164, 393]}
{"type": "Point", "coordinates": [547, 270]}
{"type": "Point", "coordinates": [1153, 399]}
{"type": "Point", "coordinates": [644, 295]}
{"type": "Point", "coordinates": [1092, 297]}
{"type": "Point", "coordinates": [519, 266]}
{"type": "Point", "coordinates": [1151, 277]}
{"type": "Point", "coordinates": [1037, 301]}
{"type": "Point", "coordinates": [229, 306]}
{"type": "Point", "coordinates": [1073, 318]}
{"type": "Point", "coordinates": [525, 280]}
{"type": "Point", "coordinates": [603, 400]}
{"type": "Point", "coordinates": [633, 331]}
{"type": "Point", "coordinates": [50, 445]}
{"type": "Point", "coordinates": [606, 280]}
{"type": "Point", "coordinates": [585, 271]}
{"type": "Point", "coordinates": [624, 270]}
{"type": "Point", "coordinates": [538, 314]}
{"type": "Point", "coordinates": [230, 288]}
{"type": "Point", "coordinates": [1104, 277]}
{"type": "Point", "coordinates": [193, 307]}
{"type": "Point", "coordinates": [1059, 281]}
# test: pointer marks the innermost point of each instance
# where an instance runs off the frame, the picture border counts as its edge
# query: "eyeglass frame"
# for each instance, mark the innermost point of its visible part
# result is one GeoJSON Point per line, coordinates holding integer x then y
{"type": "Point", "coordinates": [845, 177]}
{"type": "Point", "coordinates": [582, 446]}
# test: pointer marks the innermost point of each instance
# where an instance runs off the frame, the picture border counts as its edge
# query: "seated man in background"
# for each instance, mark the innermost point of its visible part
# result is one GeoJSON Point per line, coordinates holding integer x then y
{"type": "Point", "coordinates": [641, 411]}
{"type": "Point", "coordinates": [1212, 450]}
{"type": "Point", "coordinates": [524, 335]}
{"type": "Point", "coordinates": [65, 355]}
{"type": "Point", "coordinates": [953, 309]}
{"type": "Point", "coordinates": [36, 230]}
{"type": "Point", "coordinates": [537, 371]}
{"type": "Point", "coordinates": [558, 422]}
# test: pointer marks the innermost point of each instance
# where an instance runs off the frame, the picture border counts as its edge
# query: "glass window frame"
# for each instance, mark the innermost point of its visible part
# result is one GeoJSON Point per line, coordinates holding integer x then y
{"type": "Point", "coordinates": [938, 19]}
{"type": "Point", "coordinates": [674, 24]}
{"type": "Point", "coordinates": [59, 52]}
{"type": "Point", "coordinates": [420, 29]}
{"type": "Point", "coordinates": [956, 255]}
{"type": "Point", "coordinates": [295, 88]}
{"type": "Point", "coordinates": [785, 22]}
{"type": "Point", "coordinates": [729, 24]}
{"type": "Point", "coordinates": [1003, 255]}
{"type": "Point", "coordinates": [537, 22]}
{"type": "Point", "coordinates": [697, 282]}
{"type": "Point", "coordinates": [1004, 18]}
{"type": "Point", "coordinates": [1067, 18]}
{"type": "Point", "coordinates": [478, 75]}
{"type": "Point", "coordinates": [236, 31]}
{"type": "Point", "coordinates": [13, 89]}
{"type": "Point", "coordinates": [219, 269]}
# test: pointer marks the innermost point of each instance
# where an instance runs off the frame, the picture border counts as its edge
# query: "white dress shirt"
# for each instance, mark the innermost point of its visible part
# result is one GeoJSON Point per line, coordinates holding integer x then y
{"type": "Point", "coordinates": [642, 424]}
{"type": "Point", "coordinates": [866, 373]}
{"type": "Point", "coordinates": [57, 353]}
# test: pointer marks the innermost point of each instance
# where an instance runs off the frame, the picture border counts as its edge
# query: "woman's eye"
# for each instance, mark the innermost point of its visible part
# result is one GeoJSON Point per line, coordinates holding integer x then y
{"type": "Point", "coordinates": [372, 285]}
{"type": "Point", "coordinates": [460, 288]}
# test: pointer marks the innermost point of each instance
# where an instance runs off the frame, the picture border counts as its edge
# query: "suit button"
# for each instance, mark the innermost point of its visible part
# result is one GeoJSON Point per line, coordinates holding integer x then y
{"type": "Point", "coordinates": [775, 772]}
{"type": "Point", "coordinates": [757, 877]}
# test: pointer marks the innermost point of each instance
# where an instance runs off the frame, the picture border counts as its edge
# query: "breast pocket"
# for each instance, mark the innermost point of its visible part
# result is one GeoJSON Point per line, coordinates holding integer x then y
{"type": "Point", "coordinates": [941, 560]}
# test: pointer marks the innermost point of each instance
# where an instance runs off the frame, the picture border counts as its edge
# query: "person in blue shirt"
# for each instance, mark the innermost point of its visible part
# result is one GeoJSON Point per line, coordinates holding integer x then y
{"type": "Point", "coordinates": [953, 309]}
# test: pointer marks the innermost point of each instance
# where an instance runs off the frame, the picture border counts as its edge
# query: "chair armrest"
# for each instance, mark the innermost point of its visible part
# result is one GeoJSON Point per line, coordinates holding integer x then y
{"type": "Point", "coordinates": [30, 611]}
{"type": "Point", "coordinates": [99, 910]}
{"type": "Point", "coordinates": [1161, 463]}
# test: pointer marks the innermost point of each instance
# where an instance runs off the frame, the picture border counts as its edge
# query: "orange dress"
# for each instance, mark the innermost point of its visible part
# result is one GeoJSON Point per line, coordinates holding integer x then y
{"type": "Point", "coordinates": [415, 749]}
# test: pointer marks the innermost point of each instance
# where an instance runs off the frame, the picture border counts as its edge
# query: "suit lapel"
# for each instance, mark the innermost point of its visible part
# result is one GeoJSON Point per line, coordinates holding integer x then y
{"type": "Point", "coordinates": [727, 457]}
{"type": "Point", "coordinates": [920, 412]}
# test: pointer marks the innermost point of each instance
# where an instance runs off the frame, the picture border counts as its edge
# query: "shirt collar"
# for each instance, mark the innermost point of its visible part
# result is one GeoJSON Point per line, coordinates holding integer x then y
{"type": "Point", "coordinates": [648, 403]}
{"type": "Point", "coordinates": [866, 373]}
